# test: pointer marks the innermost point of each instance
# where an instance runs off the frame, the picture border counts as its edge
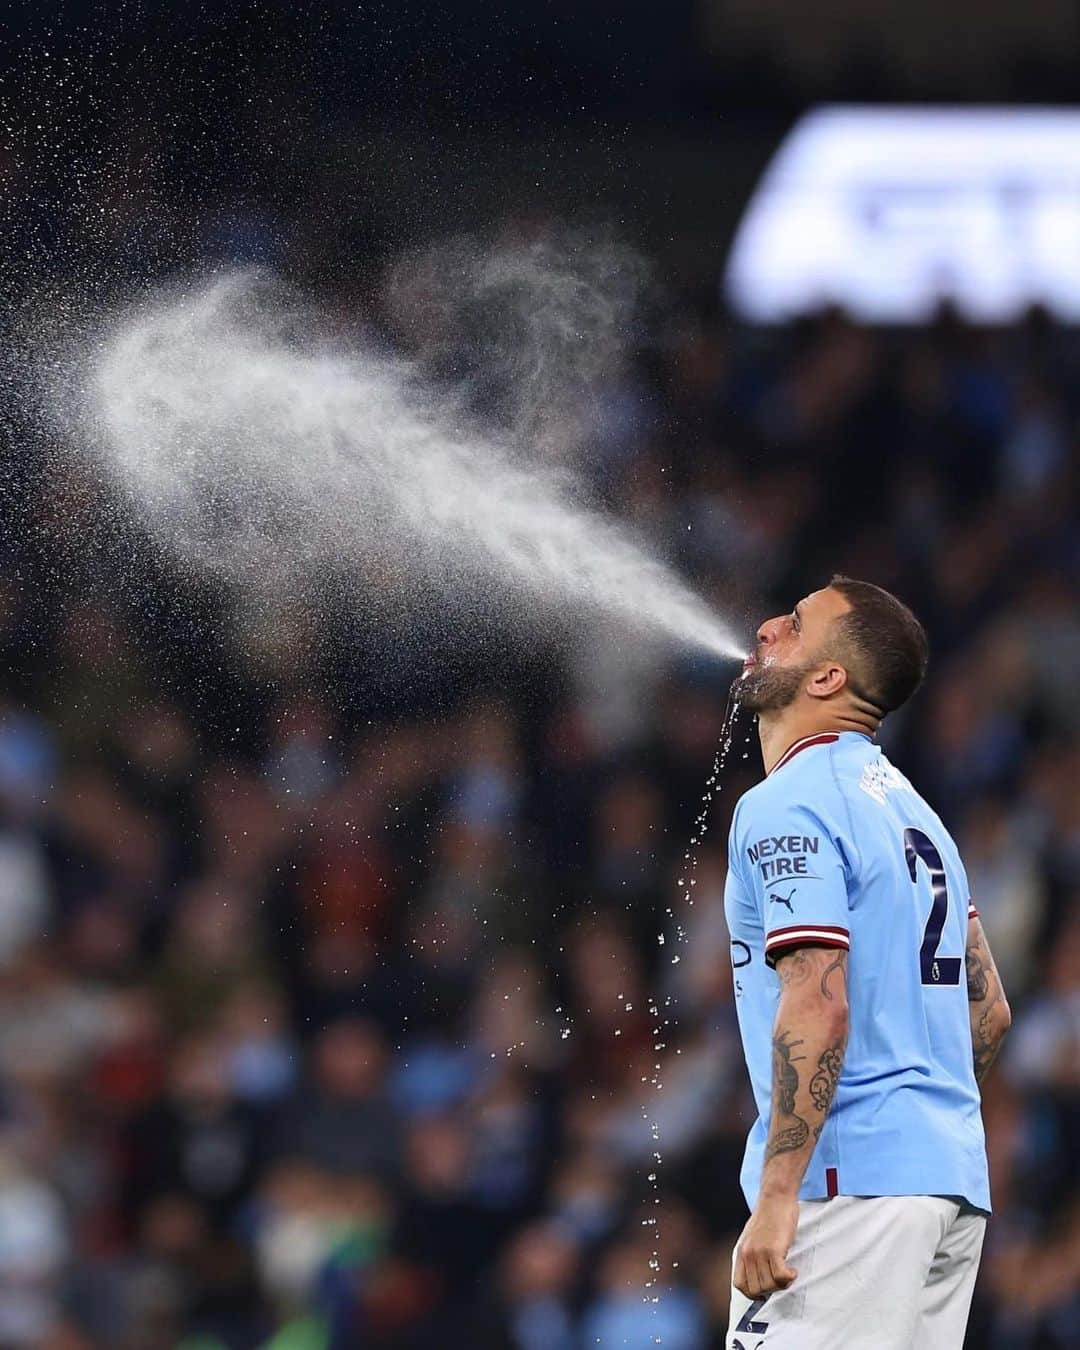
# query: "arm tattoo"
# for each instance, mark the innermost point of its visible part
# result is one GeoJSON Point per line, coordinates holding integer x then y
{"type": "Point", "coordinates": [785, 1075]}
{"type": "Point", "coordinates": [790, 1131]}
{"type": "Point", "coordinates": [794, 1132]}
{"type": "Point", "coordinates": [978, 982]}
{"type": "Point", "coordinates": [985, 1042]}
{"type": "Point", "coordinates": [788, 1139]}
{"type": "Point", "coordinates": [837, 964]}
{"type": "Point", "coordinates": [793, 969]}
{"type": "Point", "coordinates": [988, 1007]}
{"type": "Point", "coordinates": [823, 1084]}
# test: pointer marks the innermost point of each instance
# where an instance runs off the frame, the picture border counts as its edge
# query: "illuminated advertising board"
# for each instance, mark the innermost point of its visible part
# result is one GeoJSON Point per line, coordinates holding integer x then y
{"type": "Point", "coordinates": [887, 212]}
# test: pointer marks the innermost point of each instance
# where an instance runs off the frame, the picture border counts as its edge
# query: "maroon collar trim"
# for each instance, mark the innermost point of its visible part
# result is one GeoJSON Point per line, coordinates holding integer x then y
{"type": "Point", "coordinates": [822, 738]}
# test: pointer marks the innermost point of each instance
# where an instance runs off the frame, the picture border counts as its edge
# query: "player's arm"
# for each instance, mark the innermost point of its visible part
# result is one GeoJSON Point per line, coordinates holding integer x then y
{"type": "Point", "coordinates": [989, 1008]}
{"type": "Point", "coordinates": [809, 1039]}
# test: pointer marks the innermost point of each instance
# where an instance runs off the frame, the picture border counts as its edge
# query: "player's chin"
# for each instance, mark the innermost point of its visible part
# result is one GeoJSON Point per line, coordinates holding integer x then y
{"type": "Point", "coordinates": [746, 689]}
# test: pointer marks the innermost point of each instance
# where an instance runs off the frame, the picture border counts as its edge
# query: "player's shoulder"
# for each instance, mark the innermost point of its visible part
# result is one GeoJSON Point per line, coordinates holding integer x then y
{"type": "Point", "coordinates": [877, 786]}
{"type": "Point", "coordinates": [873, 788]}
{"type": "Point", "coordinates": [804, 782]}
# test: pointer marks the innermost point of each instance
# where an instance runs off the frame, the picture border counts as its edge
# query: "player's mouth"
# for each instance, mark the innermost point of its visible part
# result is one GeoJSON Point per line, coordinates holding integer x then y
{"type": "Point", "coordinates": [749, 663]}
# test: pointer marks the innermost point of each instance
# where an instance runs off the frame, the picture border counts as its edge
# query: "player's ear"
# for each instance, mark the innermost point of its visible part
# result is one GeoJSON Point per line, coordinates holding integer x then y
{"type": "Point", "coordinates": [826, 681]}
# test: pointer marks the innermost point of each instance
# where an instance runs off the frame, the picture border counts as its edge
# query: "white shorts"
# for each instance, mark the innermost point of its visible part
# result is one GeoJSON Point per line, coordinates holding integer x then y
{"type": "Point", "coordinates": [889, 1273]}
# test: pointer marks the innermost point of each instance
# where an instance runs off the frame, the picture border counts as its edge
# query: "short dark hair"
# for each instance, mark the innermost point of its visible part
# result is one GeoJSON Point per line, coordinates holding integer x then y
{"type": "Point", "coordinates": [887, 641]}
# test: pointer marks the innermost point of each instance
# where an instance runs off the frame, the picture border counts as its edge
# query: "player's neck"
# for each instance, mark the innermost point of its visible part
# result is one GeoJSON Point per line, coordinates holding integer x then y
{"type": "Point", "coordinates": [779, 731]}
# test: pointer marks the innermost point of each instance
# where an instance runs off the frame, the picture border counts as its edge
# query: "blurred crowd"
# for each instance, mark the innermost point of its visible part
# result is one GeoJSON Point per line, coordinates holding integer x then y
{"type": "Point", "coordinates": [329, 1019]}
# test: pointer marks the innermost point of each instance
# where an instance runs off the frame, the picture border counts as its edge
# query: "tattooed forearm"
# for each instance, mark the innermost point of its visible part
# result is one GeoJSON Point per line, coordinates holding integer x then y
{"type": "Point", "coordinates": [811, 1031]}
{"type": "Point", "coordinates": [812, 1028]}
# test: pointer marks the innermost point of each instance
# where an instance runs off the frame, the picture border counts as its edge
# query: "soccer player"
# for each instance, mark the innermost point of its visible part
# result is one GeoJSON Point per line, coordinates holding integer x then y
{"type": "Point", "coordinates": [868, 1003]}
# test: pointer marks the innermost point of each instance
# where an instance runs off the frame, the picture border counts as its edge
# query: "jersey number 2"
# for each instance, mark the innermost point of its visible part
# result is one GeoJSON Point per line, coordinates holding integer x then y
{"type": "Point", "coordinates": [935, 969]}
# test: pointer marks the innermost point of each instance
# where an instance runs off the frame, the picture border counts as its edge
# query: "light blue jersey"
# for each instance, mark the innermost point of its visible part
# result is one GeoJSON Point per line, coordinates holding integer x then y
{"type": "Point", "coordinates": [836, 848]}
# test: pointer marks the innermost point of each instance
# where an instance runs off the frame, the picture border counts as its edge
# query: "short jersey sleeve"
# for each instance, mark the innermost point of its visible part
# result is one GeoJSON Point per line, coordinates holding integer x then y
{"type": "Point", "coordinates": [795, 870]}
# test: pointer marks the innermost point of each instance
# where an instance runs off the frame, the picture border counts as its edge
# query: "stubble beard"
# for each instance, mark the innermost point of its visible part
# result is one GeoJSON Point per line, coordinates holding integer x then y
{"type": "Point", "coordinates": [765, 689]}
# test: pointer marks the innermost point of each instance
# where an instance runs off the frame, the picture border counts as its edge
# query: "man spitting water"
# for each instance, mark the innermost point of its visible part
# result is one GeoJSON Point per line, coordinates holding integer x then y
{"type": "Point", "coordinates": [868, 1001]}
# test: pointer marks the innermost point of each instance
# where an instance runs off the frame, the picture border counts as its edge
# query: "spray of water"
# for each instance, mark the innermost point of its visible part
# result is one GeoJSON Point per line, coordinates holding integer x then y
{"type": "Point", "coordinates": [540, 325]}
{"type": "Point", "coordinates": [272, 457]}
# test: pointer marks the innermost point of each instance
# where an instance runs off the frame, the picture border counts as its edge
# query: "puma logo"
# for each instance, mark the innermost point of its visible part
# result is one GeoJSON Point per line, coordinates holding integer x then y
{"type": "Point", "coordinates": [784, 899]}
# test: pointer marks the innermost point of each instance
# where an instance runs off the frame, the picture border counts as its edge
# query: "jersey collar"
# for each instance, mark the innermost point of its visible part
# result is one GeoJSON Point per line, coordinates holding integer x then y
{"type": "Point", "coordinates": [822, 738]}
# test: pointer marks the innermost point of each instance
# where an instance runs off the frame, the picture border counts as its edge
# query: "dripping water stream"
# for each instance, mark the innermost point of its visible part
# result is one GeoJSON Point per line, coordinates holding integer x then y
{"type": "Point", "coordinates": [663, 1017]}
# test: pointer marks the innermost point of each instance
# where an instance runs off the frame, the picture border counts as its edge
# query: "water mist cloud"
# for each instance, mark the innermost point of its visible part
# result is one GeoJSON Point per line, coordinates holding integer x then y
{"type": "Point", "coordinates": [541, 323]}
{"type": "Point", "coordinates": [271, 458]}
